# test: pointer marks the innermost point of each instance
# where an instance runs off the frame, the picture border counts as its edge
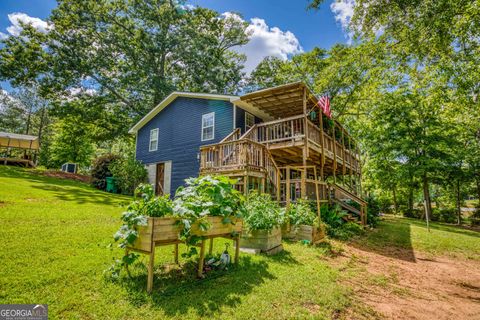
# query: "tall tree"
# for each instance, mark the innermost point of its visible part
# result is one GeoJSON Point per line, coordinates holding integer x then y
{"type": "Point", "coordinates": [128, 53]}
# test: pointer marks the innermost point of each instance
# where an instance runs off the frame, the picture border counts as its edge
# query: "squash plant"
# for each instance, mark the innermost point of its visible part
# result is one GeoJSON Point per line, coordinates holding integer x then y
{"type": "Point", "coordinates": [144, 205]}
{"type": "Point", "coordinates": [202, 197]}
{"type": "Point", "coordinates": [301, 213]}
{"type": "Point", "coordinates": [262, 213]}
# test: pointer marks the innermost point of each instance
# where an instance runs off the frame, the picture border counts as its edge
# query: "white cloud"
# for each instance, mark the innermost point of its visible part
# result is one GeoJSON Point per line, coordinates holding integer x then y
{"type": "Point", "coordinates": [343, 12]}
{"type": "Point", "coordinates": [16, 28]}
{"type": "Point", "coordinates": [266, 41]}
{"type": "Point", "coordinates": [3, 36]}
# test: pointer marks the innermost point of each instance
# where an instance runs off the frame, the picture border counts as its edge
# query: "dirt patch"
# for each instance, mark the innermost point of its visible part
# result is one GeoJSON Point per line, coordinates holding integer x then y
{"type": "Point", "coordinates": [420, 288]}
{"type": "Point", "coordinates": [67, 175]}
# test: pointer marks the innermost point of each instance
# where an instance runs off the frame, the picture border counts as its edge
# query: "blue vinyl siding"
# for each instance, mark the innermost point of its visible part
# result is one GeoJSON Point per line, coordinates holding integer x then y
{"type": "Point", "coordinates": [180, 134]}
{"type": "Point", "coordinates": [240, 119]}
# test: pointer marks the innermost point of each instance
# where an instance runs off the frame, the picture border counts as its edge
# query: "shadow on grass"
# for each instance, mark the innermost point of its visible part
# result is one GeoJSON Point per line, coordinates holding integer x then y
{"type": "Point", "coordinates": [283, 257]}
{"type": "Point", "coordinates": [62, 189]}
{"type": "Point", "coordinates": [177, 292]}
{"type": "Point", "coordinates": [447, 228]}
{"type": "Point", "coordinates": [391, 238]}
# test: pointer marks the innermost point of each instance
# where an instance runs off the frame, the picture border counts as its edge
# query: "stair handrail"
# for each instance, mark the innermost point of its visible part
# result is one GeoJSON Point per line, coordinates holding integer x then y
{"type": "Point", "coordinates": [234, 135]}
{"type": "Point", "coordinates": [355, 197]}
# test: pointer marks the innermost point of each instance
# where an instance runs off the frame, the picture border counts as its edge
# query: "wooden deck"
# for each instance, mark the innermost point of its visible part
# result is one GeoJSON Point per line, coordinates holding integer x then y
{"type": "Point", "coordinates": [17, 162]}
{"type": "Point", "coordinates": [301, 155]}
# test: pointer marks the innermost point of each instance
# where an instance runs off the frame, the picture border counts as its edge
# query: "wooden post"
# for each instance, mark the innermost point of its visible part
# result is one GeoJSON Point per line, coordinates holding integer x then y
{"type": "Point", "coordinates": [305, 117]}
{"type": "Point", "coordinates": [287, 181]}
{"type": "Point", "coordinates": [303, 184]}
{"type": "Point", "coordinates": [151, 263]}
{"type": "Point", "coordinates": [334, 154]}
{"type": "Point", "coordinates": [237, 248]}
{"type": "Point", "coordinates": [359, 173]}
{"type": "Point", "coordinates": [322, 142]}
{"type": "Point", "coordinates": [317, 195]}
{"type": "Point", "coordinates": [176, 253]}
{"type": "Point", "coordinates": [350, 168]}
{"type": "Point", "coordinates": [278, 185]}
{"type": "Point", "coordinates": [201, 259]}
{"type": "Point", "coordinates": [210, 248]}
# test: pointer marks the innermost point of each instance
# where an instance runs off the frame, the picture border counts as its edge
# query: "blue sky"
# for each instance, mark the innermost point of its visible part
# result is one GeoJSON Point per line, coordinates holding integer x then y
{"type": "Point", "coordinates": [280, 28]}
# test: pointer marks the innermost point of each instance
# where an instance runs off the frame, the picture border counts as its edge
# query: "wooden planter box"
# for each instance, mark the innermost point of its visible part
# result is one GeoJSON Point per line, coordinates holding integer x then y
{"type": "Point", "coordinates": [310, 233]}
{"type": "Point", "coordinates": [157, 230]}
{"type": "Point", "coordinates": [269, 242]}
{"type": "Point", "coordinates": [289, 232]}
{"type": "Point", "coordinates": [161, 231]}
{"type": "Point", "coordinates": [303, 232]}
{"type": "Point", "coordinates": [165, 230]}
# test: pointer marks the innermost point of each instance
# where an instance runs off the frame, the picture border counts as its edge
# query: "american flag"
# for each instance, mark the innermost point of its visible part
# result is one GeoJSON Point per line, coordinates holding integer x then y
{"type": "Point", "coordinates": [324, 104]}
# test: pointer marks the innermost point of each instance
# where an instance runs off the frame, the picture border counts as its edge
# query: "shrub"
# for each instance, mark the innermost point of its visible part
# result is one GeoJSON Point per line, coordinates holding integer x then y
{"type": "Point", "coordinates": [447, 215]}
{"type": "Point", "coordinates": [262, 213]}
{"type": "Point", "coordinates": [345, 231]}
{"type": "Point", "coordinates": [128, 172]}
{"type": "Point", "coordinates": [413, 213]}
{"type": "Point", "coordinates": [332, 216]}
{"type": "Point", "coordinates": [100, 170]}
{"type": "Point", "coordinates": [302, 213]}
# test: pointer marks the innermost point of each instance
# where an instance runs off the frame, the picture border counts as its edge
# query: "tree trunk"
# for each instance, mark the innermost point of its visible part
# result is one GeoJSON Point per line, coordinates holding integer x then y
{"type": "Point", "coordinates": [459, 209]}
{"type": "Point", "coordinates": [426, 196]}
{"type": "Point", "coordinates": [410, 198]}
{"type": "Point", "coordinates": [395, 203]}
{"type": "Point", "coordinates": [478, 190]}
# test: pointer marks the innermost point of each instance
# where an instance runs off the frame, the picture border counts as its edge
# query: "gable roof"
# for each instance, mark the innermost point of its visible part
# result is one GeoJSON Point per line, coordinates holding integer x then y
{"type": "Point", "coordinates": [170, 98]}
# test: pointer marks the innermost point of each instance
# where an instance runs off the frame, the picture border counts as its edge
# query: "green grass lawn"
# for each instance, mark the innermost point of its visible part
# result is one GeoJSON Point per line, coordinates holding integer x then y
{"type": "Point", "coordinates": [446, 240]}
{"type": "Point", "coordinates": [55, 235]}
{"type": "Point", "coordinates": [54, 238]}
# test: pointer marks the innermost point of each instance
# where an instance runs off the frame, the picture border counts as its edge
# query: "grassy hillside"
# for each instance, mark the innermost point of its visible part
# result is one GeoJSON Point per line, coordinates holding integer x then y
{"type": "Point", "coordinates": [55, 235]}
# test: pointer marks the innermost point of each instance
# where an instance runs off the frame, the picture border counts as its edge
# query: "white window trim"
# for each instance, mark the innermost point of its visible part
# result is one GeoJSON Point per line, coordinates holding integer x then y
{"type": "Point", "coordinates": [150, 140]}
{"type": "Point", "coordinates": [246, 115]}
{"type": "Point", "coordinates": [212, 126]}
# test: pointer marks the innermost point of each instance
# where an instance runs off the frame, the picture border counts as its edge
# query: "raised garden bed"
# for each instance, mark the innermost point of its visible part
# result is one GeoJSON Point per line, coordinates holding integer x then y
{"type": "Point", "coordinates": [309, 233]}
{"type": "Point", "coordinates": [303, 232]}
{"type": "Point", "coordinates": [256, 241]}
{"type": "Point", "coordinates": [161, 231]}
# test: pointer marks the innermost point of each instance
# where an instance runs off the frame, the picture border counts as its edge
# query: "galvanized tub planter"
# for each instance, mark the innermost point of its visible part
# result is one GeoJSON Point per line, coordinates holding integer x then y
{"type": "Point", "coordinates": [161, 231]}
{"type": "Point", "coordinates": [264, 241]}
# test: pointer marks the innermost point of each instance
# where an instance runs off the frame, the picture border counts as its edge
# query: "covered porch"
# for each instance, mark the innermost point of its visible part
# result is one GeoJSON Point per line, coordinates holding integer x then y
{"type": "Point", "coordinates": [18, 149]}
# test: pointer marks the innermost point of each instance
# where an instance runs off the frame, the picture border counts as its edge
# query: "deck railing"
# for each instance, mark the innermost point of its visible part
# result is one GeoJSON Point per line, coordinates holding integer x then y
{"type": "Point", "coordinates": [293, 129]}
{"type": "Point", "coordinates": [238, 155]}
{"type": "Point", "coordinates": [277, 131]}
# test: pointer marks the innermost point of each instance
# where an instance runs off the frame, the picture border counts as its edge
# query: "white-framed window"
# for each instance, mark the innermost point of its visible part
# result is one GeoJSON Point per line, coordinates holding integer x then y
{"type": "Point", "coordinates": [249, 120]}
{"type": "Point", "coordinates": [153, 143]}
{"type": "Point", "coordinates": [208, 126]}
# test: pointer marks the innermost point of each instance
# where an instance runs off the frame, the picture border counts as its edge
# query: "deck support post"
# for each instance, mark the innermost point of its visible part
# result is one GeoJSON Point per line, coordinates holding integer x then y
{"type": "Point", "coordinates": [334, 154]}
{"type": "Point", "coordinates": [288, 196]}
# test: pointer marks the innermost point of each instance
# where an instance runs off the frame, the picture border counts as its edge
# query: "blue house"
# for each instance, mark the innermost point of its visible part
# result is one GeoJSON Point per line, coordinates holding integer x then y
{"type": "Point", "coordinates": [279, 140]}
{"type": "Point", "coordinates": [168, 138]}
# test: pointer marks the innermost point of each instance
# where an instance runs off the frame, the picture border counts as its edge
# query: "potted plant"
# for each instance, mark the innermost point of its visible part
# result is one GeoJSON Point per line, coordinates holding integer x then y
{"type": "Point", "coordinates": [304, 223]}
{"type": "Point", "coordinates": [262, 220]}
